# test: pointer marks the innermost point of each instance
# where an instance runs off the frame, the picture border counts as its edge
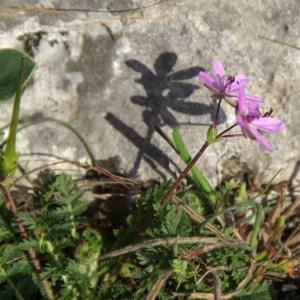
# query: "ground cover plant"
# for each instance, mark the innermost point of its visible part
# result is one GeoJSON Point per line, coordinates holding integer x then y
{"type": "Point", "coordinates": [162, 241]}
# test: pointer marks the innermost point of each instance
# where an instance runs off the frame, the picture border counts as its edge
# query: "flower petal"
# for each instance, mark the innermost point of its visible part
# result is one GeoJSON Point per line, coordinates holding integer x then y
{"type": "Point", "coordinates": [268, 124]}
{"type": "Point", "coordinates": [261, 139]}
{"type": "Point", "coordinates": [240, 81]}
{"type": "Point", "coordinates": [242, 101]}
{"type": "Point", "coordinates": [208, 80]}
{"type": "Point", "coordinates": [245, 128]}
{"type": "Point", "coordinates": [253, 109]}
{"type": "Point", "coordinates": [241, 122]}
{"type": "Point", "coordinates": [254, 98]}
{"type": "Point", "coordinates": [219, 74]}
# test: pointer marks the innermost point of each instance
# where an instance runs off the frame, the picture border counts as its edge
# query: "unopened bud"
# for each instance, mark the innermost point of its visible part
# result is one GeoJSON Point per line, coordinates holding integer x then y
{"type": "Point", "coordinates": [211, 134]}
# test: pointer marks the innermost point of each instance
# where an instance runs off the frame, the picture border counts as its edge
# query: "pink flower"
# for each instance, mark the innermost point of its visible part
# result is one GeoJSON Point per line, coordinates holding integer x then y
{"type": "Point", "coordinates": [250, 120]}
{"type": "Point", "coordinates": [226, 88]}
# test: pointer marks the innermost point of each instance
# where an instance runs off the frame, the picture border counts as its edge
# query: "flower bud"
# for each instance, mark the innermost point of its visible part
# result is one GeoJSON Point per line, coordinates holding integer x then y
{"type": "Point", "coordinates": [211, 134]}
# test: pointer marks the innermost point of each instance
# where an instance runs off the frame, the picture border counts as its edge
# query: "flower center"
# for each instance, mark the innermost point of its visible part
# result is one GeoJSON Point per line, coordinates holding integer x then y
{"type": "Point", "coordinates": [229, 82]}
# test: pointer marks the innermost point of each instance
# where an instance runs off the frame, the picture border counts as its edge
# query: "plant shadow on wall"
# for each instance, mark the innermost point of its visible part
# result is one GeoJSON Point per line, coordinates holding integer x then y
{"type": "Point", "coordinates": [165, 92]}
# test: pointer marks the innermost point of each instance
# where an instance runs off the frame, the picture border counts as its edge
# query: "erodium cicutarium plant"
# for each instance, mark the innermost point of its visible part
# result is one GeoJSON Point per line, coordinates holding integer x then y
{"type": "Point", "coordinates": [248, 117]}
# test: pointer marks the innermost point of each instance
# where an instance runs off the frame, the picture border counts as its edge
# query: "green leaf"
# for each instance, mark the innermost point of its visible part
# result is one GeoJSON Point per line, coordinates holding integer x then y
{"type": "Point", "coordinates": [10, 60]}
{"type": "Point", "coordinates": [6, 254]}
{"type": "Point", "coordinates": [7, 292]}
{"type": "Point", "coordinates": [62, 243]}
{"type": "Point", "coordinates": [52, 271]}
{"type": "Point", "coordinates": [30, 221]}
{"type": "Point", "coordinates": [80, 207]}
{"type": "Point", "coordinates": [260, 291]}
{"type": "Point", "coordinates": [26, 244]}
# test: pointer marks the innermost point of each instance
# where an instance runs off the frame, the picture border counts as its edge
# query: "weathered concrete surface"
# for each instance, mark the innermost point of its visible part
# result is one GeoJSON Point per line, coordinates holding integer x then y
{"type": "Point", "coordinates": [129, 65]}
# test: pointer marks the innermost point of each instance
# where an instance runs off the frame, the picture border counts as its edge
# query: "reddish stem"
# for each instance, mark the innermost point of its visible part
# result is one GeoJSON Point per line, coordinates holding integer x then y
{"type": "Point", "coordinates": [226, 130]}
{"type": "Point", "coordinates": [174, 187]}
{"type": "Point", "coordinates": [217, 113]}
{"type": "Point", "coordinates": [231, 135]}
{"type": "Point", "coordinates": [31, 252]}
{"type": "Point", "coordinates": [167, 196]}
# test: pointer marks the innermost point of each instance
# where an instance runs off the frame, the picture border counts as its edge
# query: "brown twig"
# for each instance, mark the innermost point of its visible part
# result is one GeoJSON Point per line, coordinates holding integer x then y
{"type": "Point", "coordinates": [197, 217]}
{"type": "Point", "coordinates": [136, 16]}
{"type": "Point", "coordinates": [158, 285]}
{"type": "Point", "coordinates": [24, 234]}
{"type": "Point", "coordinates": [227, 296]}
{"type": "Point", "coordinates": [158, 242]}
{"type": "Point", "coordinates": [100, 170]}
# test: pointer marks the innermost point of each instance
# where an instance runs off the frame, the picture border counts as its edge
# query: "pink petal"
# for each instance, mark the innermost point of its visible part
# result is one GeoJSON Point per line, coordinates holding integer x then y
{"type": "Point", "coordinates": [253, 109]}
{"type": "Point", "coordinates": [261, 139]}
{"type": "Point", "coordinates": [240, 81]}
{"type": "Point", "coordinates": [208, 80]}
{"type": "Point", "coordinates": [241, 123]}
{"type": "Point", "coordinates": [219, 74]}
{"type": "Point", "coordinates": [254, 98]}
{"type": "Point", "coordinates": [242, 101]}
{"type": "Point", "coordinates": [268, 124]}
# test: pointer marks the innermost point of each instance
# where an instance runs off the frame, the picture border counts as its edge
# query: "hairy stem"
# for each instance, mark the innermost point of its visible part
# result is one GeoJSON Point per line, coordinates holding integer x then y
{"type": "Point", "coordinates": [206, 187]}
{"type": "Point", "coordinates": [217, 113]}
{"type": "Point", "coordinates": [174, 187]}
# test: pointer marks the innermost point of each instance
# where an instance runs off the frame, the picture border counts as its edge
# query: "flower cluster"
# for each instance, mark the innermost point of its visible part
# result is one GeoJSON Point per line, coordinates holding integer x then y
{"type": "Point", "coordinates": [248, 115]}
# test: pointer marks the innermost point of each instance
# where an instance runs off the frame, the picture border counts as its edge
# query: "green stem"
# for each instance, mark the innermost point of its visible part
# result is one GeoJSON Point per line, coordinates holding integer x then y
{"type": "Point", "coordinates": [9, 157]}
{"type": "Point", "coordinates": [69, 126]}
{"type": "Point", "coordinates": [279, 42]}
{"type": "Point", "coordinates": [237, 206]}
{"type": "Point", "coordinates": [187, 158]}
{"type": "Point", "coordinates": [166, 138]}
{"type": "Point", "coordinates": [10, 149]}
{"type": "Point", "coordinates": [51, 251]}
{"type": "Point", "coordinates": [248, 219]}
{"type": "Point", "coordinates": [73, 230]}
{"type": "Point", "coordinates": [11, 284]}
{"type": "Point", "coordinates": [245, 204]}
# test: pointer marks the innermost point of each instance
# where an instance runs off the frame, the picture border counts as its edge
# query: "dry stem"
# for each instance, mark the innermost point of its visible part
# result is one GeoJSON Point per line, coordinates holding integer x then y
{"type": "Point", "coordinates": [31, 252]}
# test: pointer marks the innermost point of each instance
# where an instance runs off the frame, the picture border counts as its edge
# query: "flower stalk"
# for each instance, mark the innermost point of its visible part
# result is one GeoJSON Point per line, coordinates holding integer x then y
{"type": "Point", "coordinates": [232, 90]}
{"type": "Point", "coordinates": [9, 157]}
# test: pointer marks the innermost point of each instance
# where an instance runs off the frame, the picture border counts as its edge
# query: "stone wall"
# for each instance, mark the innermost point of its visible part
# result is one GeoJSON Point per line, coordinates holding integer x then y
{"type": "Point", "coordinates": [113, 69]}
